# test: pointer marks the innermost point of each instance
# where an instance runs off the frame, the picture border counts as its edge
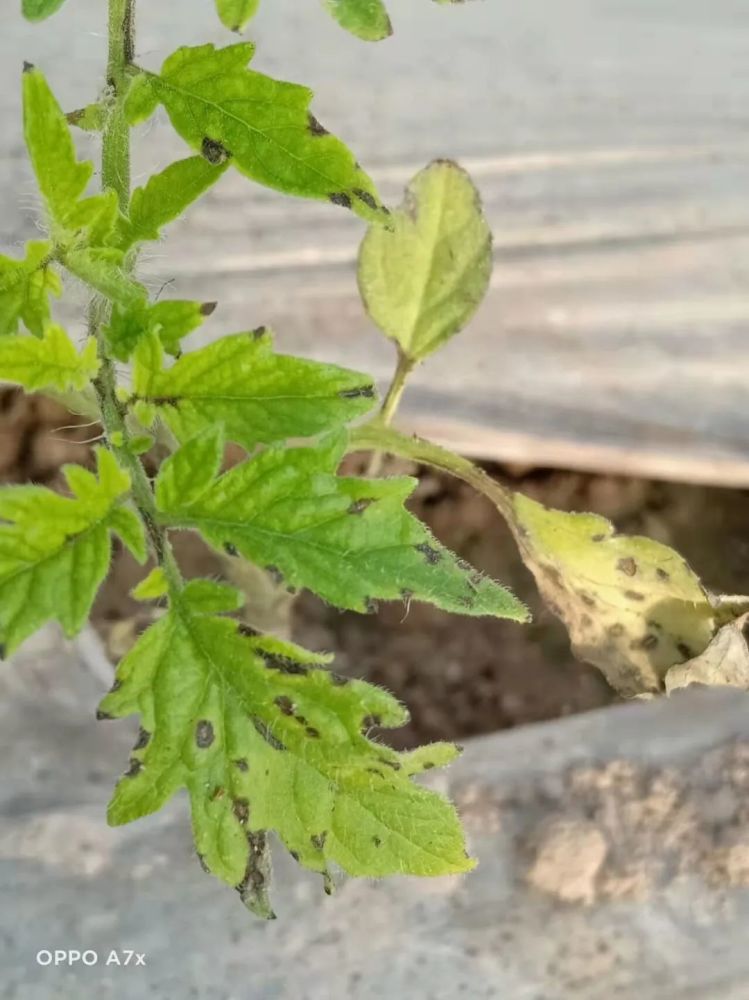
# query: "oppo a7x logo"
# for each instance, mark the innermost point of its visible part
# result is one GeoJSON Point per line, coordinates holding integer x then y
{"type": "Point", "coordinates": [71, 956]}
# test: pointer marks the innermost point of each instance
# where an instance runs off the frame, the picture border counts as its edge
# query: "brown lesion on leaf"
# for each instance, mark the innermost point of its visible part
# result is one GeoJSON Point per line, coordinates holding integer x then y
{"type": "Point", "coordinates": [143, 739]}
{"type": "Point", "coordinates": [370, 722]}
{"type": "Point", "coordinates": [241, 765]}
{"type": "Point", "coordinates": [217, 794]}
{"type": "Point", "coordinates": [284, 665]}
{"type": "Point", "coordinates": [598, 537]}
{"type": "Point", "coordinates": [314, 734]}
{"type": "Point", "coordinates": [314, 127]}
{"type": "Point", "coordinates": [634, 595]}
{"type": "Point", "coordinates": [247, 631]}
{"type": "Point", "coordinates": [685, 651]}
{"type": "Point", "coordinates": [376, 841]}
{"type": "Point", "coordinates": [201, 862]}
{"type": "Point", "coordinates": [359, 506]}
{"type": "Point", "coordinates": [338, 680]}
{"type": "Point", "coordinates": [367, 198]}
{"type": "Point", "coordinates": [285, 704]}
{"type": "Point", "coordinates": [267, 735]}
{"type": "Point", "coordinates": [340, 198]}
{"type": "Point", "coordinates": [627, 566]}
{"type": "Point", "coordinates": [587, 599]}
{"type": "Point", "coordinates": [318, 840]}
{"type": "Point", "coordinates": [358, 392]}
{"type": "Point", "coordinates": [204, 734]}
{"type": "Point", "coordinates": [650, 641]}
{"type": "Point", "coordinates": [431, 555]}
{"type": "Point", "coordinates": [214, 151]}
{"type": "Point", "coordinates": [135, 766]}
{"type": "Point", "coordinates": [662, 574]}
{"type": "Point", "coordinates": [241, 809]}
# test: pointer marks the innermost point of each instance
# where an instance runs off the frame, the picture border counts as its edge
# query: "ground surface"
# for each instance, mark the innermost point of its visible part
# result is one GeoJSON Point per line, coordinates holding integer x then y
{"type": "Point", "coordinates": [612, 846]}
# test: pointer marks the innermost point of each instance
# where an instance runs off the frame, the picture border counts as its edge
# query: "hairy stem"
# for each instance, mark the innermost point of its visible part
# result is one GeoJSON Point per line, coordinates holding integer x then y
{"type": "Point", "coordinates": [391, 403]}
{"type": "Point", "coordinates": [376, 435]}
{"type": "Point", "coordinates": [115, 175]}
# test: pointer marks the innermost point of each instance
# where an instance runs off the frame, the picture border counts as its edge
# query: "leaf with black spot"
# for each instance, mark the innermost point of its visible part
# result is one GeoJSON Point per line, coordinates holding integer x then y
{"type": "Point", "coordinates": [287, 509]}
{"type": "Point", "coordinates": [259, 125]}
{"type": "Point", "coordinates": [230, 724]}
{"type": "Point", "coordinates": [239, 381]}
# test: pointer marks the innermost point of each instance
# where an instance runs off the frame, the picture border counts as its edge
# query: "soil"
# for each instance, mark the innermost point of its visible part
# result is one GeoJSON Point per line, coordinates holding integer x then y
{"type": "Point", "coordinates": [458, 676]}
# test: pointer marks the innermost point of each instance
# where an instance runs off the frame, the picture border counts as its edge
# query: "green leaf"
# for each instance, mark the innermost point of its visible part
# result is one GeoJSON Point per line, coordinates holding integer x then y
{"type": "Point", "coordinates": [55, 550]}
{"type": "Point", "coordinates": [367, 19]}
{"type": "Point", "coordinates": [262, 126]}
{"type": "Point", "coordinates": [265, 739]}
{"type": "Point", "coordinates": [258, 396]}
{"type": "Point", "coordinates": [164, 198]}
{"type": "Point", "coordinates": [632, 606]}
{"type": "Point", "coordinates": [49, 363]}
{"type": "Point", "coordinates": [92, 118]}
{"type": "Point", "coordinates": [170, 321]}
{"type": "Point", "coordinates": [62, 179]}
{"type": "Point", "coordinates": [424, 276]}
{"type": "Point", "coordinates": [155, 585]}
{"type": "Point", "coordinates": [103, 269]}
{"type": "Point", "coordinates": [38, 10]}
{"type": "Point", "coordinates": [25, 287]}
{"type": "Point", "coordinates": [235, 14]}
{"type": "Point", "coordinates": [349, 540]}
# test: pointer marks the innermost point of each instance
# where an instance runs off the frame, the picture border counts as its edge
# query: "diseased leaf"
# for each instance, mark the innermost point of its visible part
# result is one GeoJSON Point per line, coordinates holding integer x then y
{"type": "Point", "coordinates": [62, 179]}
{"type": "Point", "coordinates": [367, 19]}
{"type": "Point", "coordinates": [264, 739]}
{"type": "Point", "coordinates": [51, 362]}
{"type": "Point", "coordinates": [632, 606]}
{"type": "Point", "coordinates": [235, 14]}
{"type": "Point", "coordinates": [423, 277]}
{"type": "Point", "coordinates": [164, 198]}
{"type": "Point", "coordinates": [259, 397]}
{"type": "Point", "coordinates": [725, 661]}
{"type": "Point", "coordinates": [37, 10]}
{"type": "Point", "coordinates": [25, 287]}
{"type": "Point", "coordinates": [349, 540]}
{"type": "Point", "coordinates": [55, 550]}
{"type": "Point", "coordinates": [262, 126]}
{"type": "Point", "coordinates": [170, 321]}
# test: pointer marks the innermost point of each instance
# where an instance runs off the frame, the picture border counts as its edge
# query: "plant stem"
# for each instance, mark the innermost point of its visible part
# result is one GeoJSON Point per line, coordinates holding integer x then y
{"type": "Point", "coordinates": [115, 175]}
{"type": "Point", "coordinates": [391, 403]}
{"type": "Point", "coordinates": [376, 435]}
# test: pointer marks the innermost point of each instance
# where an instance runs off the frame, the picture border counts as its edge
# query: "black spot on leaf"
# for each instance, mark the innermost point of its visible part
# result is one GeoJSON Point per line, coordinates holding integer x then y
{"type": "Point", "coordinates": [634, 595]}
{"type": "Point", "coordinates": [134, 768]}
{"type": "Point", "coordinates": [318, 840]}
{"type": "Point", "coordinates": [283, 664]}
{"type": "Point", "coordinates": [376, 841]}
{"type": "Point", "coordinates": [103, 716]}
{"type": "Point", "coordinates": [267, 735]}
{"type": "Point", "coordinates": [314, 126]}
{"type": "Point", "coordinates": [431, 555]}
{"type": "Point", "coordinates": [143, 738]}
{"type": "Point", "coordinates": [208, 308]}
{"type": "Point", "coordinates": [359, 506]}
{"type": "Point", "coordinates": [627, 566]}
{"type": "Point", "coordinates": [313, 733]}
{"type": "Point", "coordinates": [247, 631]}
{"type": "Point", "coordinates": [359, 392]}
{"type": "Point", "coordinates": [366, 197]}
{"type": "Point", "coordinates": [241, 809]}
{"type": "Point", "coordinates": [275, 574]}
{"type": "Point", "coordinates": [214, 151]}
{"type": "Point", "coordinates": [285, 704]}
{"type": "Point", "coordinates": [231, 549]}
{"type": "Point", "coordinates": [203, 865]}
{"type": "Point", "coordinates": [340, 198]}
{"type": "Point", "coordinates": [241, 764]}
{"type": "Point", "coordinates": [204, 735]}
